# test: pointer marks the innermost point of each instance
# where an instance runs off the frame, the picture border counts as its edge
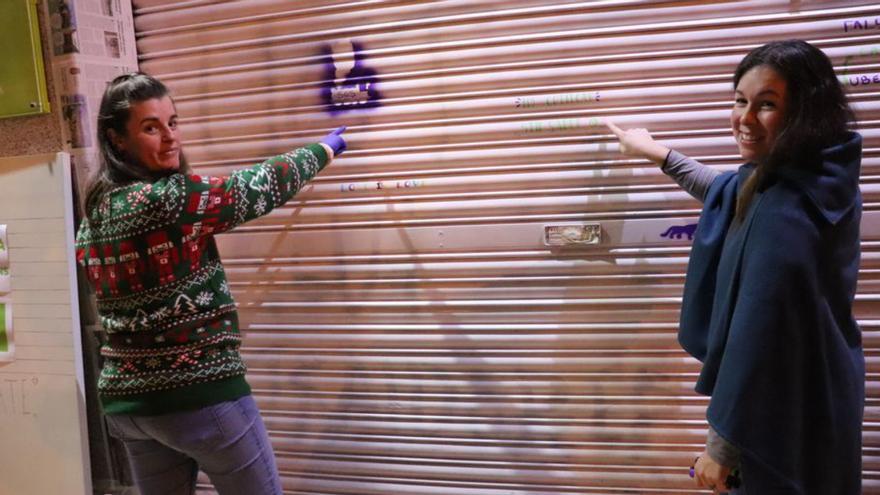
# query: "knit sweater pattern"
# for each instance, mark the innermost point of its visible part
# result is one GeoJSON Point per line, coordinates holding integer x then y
{"type": "Point", "coordinates": [163, 299]}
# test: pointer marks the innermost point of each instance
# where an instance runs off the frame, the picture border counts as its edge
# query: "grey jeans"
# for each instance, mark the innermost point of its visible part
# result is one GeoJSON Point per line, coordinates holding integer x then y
{"type": "Point", "coordinates": [228, 441]}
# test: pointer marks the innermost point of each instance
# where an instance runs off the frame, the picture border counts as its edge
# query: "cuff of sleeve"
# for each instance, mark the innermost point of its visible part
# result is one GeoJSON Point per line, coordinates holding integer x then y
{"type": "Point", "coordinates": [720, 450]}
{"type": "Point", "coordinates": [672, 156]}
{"type": "Point", "coordinates": [329, 151]}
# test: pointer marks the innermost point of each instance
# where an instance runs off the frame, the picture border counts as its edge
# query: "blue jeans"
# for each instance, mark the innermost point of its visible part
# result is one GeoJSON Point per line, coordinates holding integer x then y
{"type": "Point", "coordinates": [228, 441]}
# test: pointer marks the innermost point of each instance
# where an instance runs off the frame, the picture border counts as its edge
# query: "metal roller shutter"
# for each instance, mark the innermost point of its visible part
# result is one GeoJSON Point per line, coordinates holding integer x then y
{"type": "Point", "coordinates": [407, 330]}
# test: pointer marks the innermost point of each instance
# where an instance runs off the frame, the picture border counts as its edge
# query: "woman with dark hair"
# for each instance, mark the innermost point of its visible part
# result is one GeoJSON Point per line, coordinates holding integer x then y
{"type": "Point", "coordinates": [767, 305]}
{"type": "Point", "coordinates": [172, 384]}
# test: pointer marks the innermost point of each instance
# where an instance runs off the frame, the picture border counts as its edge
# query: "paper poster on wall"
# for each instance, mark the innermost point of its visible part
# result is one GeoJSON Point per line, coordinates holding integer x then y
{"type": "Point", "coordinates": [7, 347]}
{"type": "Point", "coordinates": [4, 253]}
{"type": "Point", "coordinates": [62, 18]}
{"type": "Point", "coordinates": [75, 113]}
{"type": "Point", "coordinates": [4, 262]}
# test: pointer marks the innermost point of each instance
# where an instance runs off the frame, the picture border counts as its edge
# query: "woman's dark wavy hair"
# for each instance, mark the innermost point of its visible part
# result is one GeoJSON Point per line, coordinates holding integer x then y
{"type": "Point", "coordinates": [116, 168]}
{"type": "Point", "coordinates": [817, 114]}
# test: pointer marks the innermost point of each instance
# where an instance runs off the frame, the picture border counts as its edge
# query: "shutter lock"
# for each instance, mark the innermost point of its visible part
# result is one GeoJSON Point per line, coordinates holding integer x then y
{"type": "Point", "coordinates": [572, 234]}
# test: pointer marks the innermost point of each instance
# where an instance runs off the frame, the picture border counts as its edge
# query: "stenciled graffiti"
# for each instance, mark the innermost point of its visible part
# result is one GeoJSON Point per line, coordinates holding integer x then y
{"type": "Point", "coordinates": [349, 82]}
{"type": "Point", "coordinates": [679, 231]}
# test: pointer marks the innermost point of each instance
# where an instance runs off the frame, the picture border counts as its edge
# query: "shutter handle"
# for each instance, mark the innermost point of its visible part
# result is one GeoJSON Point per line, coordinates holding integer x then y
{"type": "Point", "coordinates": [572, 234]}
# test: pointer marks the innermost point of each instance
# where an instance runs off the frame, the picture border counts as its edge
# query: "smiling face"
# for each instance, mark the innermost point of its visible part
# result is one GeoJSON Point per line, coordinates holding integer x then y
{"type": "Point", "coordinates": [152, 138]}
{"type": "Point", "coordinates": [758, 116]}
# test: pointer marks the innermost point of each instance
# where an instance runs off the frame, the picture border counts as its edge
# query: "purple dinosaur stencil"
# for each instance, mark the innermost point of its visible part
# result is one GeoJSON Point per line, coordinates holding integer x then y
{"type": "Point", "coordinates": [677, 231]}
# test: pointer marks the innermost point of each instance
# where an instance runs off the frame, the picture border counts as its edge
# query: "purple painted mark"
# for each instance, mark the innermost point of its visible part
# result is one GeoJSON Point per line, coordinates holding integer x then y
{"type": "Point", "coordinates": [861, 80]}
{"type": "Point", "coordinates": [861, 24]}
{"type": "Point", "coordinates": [677, 231]}
{"type": "Point", "coordinates": [381, 185]}
{"type": "Point", "coordinates": [348, 83]}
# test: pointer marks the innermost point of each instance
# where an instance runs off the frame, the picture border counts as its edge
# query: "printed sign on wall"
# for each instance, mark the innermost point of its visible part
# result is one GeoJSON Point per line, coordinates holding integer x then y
{"type": "Point", "coordinates": [4, 262]}
{"type": "Point", "coordinates": [4, 253]}
{"type": "Point", "coordinates": [6, 344]}
{"type": "Point", "coordinates": [62, 18]}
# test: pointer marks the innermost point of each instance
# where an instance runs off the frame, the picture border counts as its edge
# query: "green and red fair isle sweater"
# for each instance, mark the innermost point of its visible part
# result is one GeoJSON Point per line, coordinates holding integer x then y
{"type": "Point", "coordinates": [163, 299]}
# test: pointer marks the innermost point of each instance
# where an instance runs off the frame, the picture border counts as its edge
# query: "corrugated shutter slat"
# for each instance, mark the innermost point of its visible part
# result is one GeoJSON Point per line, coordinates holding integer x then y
{"type": "Point", "coordinates": [407, 331]}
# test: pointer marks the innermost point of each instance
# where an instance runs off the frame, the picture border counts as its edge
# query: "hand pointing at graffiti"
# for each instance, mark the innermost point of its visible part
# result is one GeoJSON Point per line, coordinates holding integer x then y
{"type": "Point", "coordinates": [691, 175]}
{"type": "Point", "coordinates": [335, 141]}
{"type": "Point", "coordinates": [639, 143]}
{"type": "Point", "coordinates": [173, 259]}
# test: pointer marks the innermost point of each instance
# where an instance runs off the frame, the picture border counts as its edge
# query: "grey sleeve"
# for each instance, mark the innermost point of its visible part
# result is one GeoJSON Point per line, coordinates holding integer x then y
{"type": "Point", "coordinates": [720, 450]}
{"type": "Point", "coordinates": [691, 175]}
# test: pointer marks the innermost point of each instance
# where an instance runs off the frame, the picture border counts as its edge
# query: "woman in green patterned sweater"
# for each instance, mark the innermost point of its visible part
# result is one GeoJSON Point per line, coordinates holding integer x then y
{"type": "Point", "coordinates": [173, 383]}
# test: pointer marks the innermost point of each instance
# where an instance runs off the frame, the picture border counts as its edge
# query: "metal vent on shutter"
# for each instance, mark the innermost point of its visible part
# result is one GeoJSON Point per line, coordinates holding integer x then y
{"type": "Point", "coordinates": [481, 296]}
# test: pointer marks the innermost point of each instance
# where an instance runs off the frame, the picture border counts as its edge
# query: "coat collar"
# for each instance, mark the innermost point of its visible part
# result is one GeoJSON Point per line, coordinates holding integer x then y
{"type": "Point", "coordinates": [833, 187]}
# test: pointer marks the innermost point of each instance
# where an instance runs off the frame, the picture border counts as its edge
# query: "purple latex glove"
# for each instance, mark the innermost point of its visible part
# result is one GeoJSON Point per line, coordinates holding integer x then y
{"type": "Point", "coordinates": [335, 141]}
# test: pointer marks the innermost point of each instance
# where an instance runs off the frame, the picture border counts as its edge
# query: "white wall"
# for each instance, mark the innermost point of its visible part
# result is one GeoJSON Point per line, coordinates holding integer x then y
{"type": "Point", "coordinates": [43, 438]}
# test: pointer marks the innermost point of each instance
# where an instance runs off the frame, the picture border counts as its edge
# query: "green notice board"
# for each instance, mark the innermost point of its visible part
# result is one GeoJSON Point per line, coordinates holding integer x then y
{"type": "Point", "coordinates": [22, 78]}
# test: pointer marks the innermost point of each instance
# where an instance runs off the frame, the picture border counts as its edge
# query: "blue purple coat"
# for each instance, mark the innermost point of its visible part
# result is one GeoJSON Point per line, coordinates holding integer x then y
{"type": "Point", "coordinates": [767, 309]}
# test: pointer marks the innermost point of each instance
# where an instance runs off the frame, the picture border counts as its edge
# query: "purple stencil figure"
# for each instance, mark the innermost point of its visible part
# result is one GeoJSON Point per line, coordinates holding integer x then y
{"type": "Point", "coordinates": [348, 83]}
{"type": "Point", "coordinates": [676, 231]}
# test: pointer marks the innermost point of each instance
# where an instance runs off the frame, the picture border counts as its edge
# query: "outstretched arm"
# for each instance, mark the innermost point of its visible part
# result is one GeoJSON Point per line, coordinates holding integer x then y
{"type": "Point", "coordinates": [210, 205]}
{"type": "Point", "coordinates": [638, 143]}
{"type": "Point", "coordinates": [691, 175]}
